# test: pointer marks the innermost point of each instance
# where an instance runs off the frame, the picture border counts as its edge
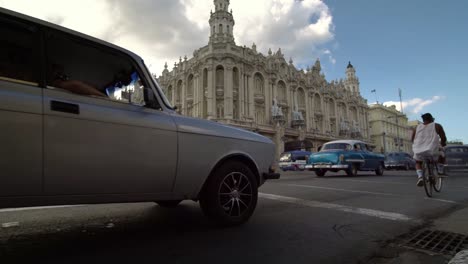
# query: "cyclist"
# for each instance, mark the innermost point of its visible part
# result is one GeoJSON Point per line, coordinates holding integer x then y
{"type": "Point", "coordinates": [427, 138]}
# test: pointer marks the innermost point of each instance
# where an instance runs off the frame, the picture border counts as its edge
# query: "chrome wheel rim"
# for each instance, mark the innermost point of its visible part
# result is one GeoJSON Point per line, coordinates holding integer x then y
{"type": "Point", "coordinates": [235, 194]}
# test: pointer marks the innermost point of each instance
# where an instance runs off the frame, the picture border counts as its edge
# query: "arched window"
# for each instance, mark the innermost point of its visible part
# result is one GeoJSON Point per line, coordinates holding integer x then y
{"type": "Point", "coordinates": [258, 83]}
{"type": "Point", "coordinates": [221, 28]}
{"type": "Point", "coordinates": [169, 93]}
{"type": "Point", "coordinates": [190, 86]}
{"type": "Point", "coordinates": [179, 92]}
{"type": "Point", "coordinates": [282, 93]}
{"type": "Point", "coordinates": [301, 98]}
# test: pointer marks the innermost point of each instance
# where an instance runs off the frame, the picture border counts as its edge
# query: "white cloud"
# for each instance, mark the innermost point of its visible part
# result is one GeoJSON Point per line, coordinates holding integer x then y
{"type": "Point", "coordinates": [414, 105]}
{"type": "Point", "coordinates": [161, 31]}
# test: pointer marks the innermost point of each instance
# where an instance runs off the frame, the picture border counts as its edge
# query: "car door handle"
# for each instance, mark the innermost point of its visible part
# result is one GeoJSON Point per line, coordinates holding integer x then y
{"type": "Point", "coordinates": [64, 107]}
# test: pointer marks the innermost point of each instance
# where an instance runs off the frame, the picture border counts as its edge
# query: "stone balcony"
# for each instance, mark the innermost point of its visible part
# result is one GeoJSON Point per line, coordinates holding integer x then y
{"type": "Point", "coordinates": [259, 98]}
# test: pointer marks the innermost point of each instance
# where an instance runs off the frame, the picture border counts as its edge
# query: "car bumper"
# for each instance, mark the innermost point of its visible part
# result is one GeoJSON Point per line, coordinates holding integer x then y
{"type": "Point", "coordinates": [394, 165]}
{"type": "Point", "coordinates": [326, 166]}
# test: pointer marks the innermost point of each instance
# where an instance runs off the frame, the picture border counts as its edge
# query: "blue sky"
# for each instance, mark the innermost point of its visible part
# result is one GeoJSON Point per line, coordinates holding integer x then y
{"type": "Point", "coordinates": [415, 45]}
{"type": "Point", "coordinates": [418, 46]}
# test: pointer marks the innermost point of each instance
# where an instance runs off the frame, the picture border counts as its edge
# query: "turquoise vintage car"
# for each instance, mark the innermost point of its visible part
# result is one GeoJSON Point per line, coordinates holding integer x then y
{"type": "Point", "coordinates": [348, 155]}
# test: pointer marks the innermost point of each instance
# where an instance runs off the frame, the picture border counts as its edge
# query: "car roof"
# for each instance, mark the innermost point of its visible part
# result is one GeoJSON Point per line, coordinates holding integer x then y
{"type": "Point", "coordinates": [66, 30]}
{"type": "Point", "coordinates": [346, 141]}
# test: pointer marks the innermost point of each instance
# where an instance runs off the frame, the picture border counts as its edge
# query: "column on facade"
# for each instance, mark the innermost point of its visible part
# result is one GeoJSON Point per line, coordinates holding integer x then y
{"type": "Point", "coordinates": [268, 101]}
{"type": "Point", "coordinates": [308, 111]}
{"type": "Point", "coordinates": [241, 95]}
{"type": "Point", "coordinates": [250, 89]}
{"type": "Point", "coordinates": [337, 119]}
{"type": "Point", "coordinates": [228, 93]}
{"type": "Point", "coordinates": [290, 99]}
{"type": "Point", "coordinates": [326, 116]}
{"type": "Point", "coordinates": [211, 98]}
{"type": "Point", "coordinates": [196, 96]}
{"type": "Point", "coordinates": [183, 101]}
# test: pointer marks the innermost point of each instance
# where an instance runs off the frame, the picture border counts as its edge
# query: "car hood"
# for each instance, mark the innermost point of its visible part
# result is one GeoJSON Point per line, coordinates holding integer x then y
{"type": "Point", "coordinates": [211, 128]}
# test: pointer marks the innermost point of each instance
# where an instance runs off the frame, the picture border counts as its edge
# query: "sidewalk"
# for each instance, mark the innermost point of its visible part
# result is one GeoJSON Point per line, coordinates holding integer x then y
{"type": "Point", "coordinates": [456, 222]}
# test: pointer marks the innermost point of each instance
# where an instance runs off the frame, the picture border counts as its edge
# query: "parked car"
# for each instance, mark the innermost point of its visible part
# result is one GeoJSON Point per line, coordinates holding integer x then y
{"type": "Point", "coordinates": [83, 121]}
{"type": "Point", "coordinates": [350, 156]}
{"type": "Point", "coordinates": [293, 160]}
{"type": "Point", "coordinates": [456, 157]}
{"type": "Point", "coordinates": [399, 160]}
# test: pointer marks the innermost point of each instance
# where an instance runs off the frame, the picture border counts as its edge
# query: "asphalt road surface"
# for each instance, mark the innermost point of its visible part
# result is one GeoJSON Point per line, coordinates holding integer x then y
{"type": "Point", "coordinates": [299, 219]}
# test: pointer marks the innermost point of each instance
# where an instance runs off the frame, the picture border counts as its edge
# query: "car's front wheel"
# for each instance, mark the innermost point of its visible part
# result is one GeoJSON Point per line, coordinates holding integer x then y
{"type": "Point", "coordinates": [380, 170]}
{"type": "Point", "coordinates": [230, 194]}
{"type": "Point", "coordinates": [320, 172]}
{"type": "Point", "coordinates": [352, 170]}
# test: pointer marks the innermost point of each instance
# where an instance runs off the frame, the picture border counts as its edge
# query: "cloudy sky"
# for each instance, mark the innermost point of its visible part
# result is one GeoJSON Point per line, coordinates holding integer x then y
{"type": "Point", "coordinates": [417, 46]}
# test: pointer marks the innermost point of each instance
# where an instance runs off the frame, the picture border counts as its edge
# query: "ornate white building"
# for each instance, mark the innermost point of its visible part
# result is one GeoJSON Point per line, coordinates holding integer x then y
{"type": "Point", "coordinates": [240, 86]}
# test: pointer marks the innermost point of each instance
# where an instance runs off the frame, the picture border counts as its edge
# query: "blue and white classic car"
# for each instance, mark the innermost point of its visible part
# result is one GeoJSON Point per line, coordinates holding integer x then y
{"type": "Point", "coordinates": [348, 155]}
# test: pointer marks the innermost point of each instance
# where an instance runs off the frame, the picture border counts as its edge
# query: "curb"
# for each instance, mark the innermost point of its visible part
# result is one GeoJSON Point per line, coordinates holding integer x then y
{"type": "Point", "coordinates": [460, 258]}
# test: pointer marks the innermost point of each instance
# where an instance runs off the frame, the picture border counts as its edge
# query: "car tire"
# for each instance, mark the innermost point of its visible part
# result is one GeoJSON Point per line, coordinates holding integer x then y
{"type": "Point", "coordinates": [230, 194]}
{"type": "Point", "coordinates": [353, 170]}
{"type": "Point", "coordinates": [320, 172]}
{"type": "Point", "coordinates": [169, 204]}
{"type": "Point", "coordinates": [380, 170]}
{"type": "Point", "coordinates": [407, 166]}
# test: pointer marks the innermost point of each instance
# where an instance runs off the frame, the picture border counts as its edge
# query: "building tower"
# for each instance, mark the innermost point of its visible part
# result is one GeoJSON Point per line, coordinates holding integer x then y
{"type": "Point", "coordinates": [221, 23]}
{"type": "Point", "coordinates": [352, 82]}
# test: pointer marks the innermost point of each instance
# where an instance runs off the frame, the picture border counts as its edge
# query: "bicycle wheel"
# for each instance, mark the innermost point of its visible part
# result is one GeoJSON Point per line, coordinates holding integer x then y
{"type": "Point", "coordinates": [437, 183]}
{"type": "Point", "coordinates": [427, 182]}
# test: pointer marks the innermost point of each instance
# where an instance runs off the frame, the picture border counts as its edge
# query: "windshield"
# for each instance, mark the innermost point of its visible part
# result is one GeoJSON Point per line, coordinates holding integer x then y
{"type": "Point", "coordinates": [158, 87]}
{"type": "Point", "coordinates": [339, 146]}
{"type": "Point", "coordinates": [285, 157]}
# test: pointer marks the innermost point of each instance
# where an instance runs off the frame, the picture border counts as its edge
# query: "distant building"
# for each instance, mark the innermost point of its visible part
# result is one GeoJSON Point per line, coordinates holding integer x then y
{"type": "Point", "coordinates": [389, 129]}
{"type": "Point", "coordinates": [240, 86]}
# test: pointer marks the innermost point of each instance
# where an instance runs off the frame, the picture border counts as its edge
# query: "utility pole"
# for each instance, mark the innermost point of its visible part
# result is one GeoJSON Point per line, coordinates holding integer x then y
{"type": "Point", "coordinates": [398, 133]}
{"type": "Point", "coordinates": [401, 103]}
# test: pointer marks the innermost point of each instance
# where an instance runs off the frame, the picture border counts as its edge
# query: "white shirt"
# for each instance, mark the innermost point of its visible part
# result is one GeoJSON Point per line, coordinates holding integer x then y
{"type": "Point", "coordinates": [426, 140]}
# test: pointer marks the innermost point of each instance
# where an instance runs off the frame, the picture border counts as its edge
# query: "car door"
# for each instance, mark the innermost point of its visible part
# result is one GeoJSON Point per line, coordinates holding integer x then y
{"type": "Point", "coordinates": [20, 109]}
{"type": "Point", "coordinates": [370, 159]}
{"type": "Point", "coordinates": [100, 145]}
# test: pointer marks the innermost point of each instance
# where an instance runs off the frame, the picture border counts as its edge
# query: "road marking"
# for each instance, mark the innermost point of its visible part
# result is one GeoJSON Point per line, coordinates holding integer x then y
{"type": "Point", "coordinates": [367, 192]}
{"type": "Point", "coordinates": [36, 208]}
{"type": "Point", "coordinates": [343, 208]}
{"type": "Point", "coordinates": [10, 224]}
{"type": "Point", "coordinates": [344, 190]}
{"type": "Point", "coordinates": [399, 183]}
{"type": "Point", "coordinates": [440, 200]}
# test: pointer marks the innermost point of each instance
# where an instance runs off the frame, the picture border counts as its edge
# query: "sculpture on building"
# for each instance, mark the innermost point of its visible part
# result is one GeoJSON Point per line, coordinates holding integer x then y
{"type": "Point", "coordinates": [297, 115]}
{"type": "Point", "coordinates": [276, 111]}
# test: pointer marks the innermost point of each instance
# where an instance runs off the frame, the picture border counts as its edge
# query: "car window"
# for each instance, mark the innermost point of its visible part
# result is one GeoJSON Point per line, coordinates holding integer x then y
{"type": "Point", "coordinates": [341, 146]}
{"type": "Point", "coordinates": [89, 69]}
{"type": "Point", "coordinates": [19, 45]}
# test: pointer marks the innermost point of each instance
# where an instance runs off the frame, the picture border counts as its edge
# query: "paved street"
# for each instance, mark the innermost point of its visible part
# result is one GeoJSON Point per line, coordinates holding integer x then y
{"type": "Point", "coordinates": [299, 219]}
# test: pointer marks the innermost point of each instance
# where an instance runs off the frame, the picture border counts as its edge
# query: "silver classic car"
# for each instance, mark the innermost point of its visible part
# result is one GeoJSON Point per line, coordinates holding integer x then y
{"type": "Point", "coordinates": [348, 155]}
{"type": "Point", "coordinates": [83, 121]}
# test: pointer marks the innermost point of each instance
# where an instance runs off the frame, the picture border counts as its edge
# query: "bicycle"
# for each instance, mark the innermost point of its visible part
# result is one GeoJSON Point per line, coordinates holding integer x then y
{"type": "Point", "coordinates": [431, 180]}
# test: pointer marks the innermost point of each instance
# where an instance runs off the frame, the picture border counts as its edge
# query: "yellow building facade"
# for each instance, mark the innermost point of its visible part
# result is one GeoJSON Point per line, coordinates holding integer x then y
{"type": "Point", "coordinates": [389, 129]}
